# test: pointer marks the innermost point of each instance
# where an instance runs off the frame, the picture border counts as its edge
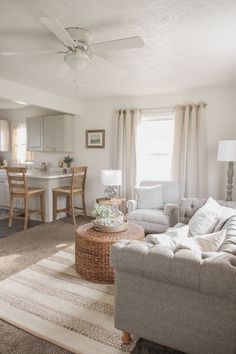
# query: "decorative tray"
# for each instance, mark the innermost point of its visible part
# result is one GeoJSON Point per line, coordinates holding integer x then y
{"type": "Point", "coordinates": [104, 228]}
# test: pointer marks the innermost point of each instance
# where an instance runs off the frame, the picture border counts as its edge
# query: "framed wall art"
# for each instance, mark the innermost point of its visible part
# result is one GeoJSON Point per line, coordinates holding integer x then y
{"type": "Point", "coordinates": [95, 138]}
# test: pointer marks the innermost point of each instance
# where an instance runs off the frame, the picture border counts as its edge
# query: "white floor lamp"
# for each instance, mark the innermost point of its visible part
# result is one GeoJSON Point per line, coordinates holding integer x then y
{"type": "Point", "coordinates": [227, 152]}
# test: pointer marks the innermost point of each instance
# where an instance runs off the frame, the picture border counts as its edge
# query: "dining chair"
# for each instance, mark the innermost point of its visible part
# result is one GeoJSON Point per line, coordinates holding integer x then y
{"type": "Point", "coordinates": [18, 188]}
{"type": "Point", "coordinates": [77, 187]}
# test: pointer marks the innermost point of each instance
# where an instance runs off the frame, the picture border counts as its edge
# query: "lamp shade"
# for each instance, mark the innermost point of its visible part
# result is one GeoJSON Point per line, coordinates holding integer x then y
{"type": "Point", "coordinates": [226, 150]}
{"type": "Point", "coordinates": [111, 177]}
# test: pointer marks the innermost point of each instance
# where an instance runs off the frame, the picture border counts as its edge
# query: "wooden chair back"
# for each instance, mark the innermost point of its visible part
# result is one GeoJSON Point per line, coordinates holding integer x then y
{"type": "Point", "coordinates": [17, 180]}
{"type": "Point", "coordinates": [79, 177]}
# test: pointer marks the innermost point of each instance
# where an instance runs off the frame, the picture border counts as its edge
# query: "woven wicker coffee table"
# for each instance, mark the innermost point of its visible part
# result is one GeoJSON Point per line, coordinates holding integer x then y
{"type": "Point", "coordinates": [92, 251]}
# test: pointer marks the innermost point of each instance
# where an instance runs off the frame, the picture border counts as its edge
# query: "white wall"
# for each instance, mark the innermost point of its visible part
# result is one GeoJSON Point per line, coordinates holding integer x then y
{"type": "Point", "coordinates": [221, 124]}
{"type": "Point", "coordinates": [99, 114]}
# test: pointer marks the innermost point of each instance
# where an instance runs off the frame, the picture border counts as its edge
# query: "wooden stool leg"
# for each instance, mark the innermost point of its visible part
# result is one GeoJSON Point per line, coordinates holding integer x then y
{"type": "Point", "coordinates": [54, 206]}
{"type": "Point", "coordinates": [67, 206]}
{"type": "Point", "coordinates": [72, 208]}
{"type": "Point", "coordinates": [126, 338]}
{"type": "Point", "coordinates": [26, 204]}
{"type": "Point", "coordinates": [83, 203]}
{"type": "Point", "coordinates": [11, 211]}
{"type": "Point", "coordinates": [42, 206]}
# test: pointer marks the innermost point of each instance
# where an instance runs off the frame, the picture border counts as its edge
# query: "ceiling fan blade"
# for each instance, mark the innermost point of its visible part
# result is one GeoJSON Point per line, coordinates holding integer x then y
{"type": "Point", "coordinates": [99, 62]}
{"type": "Point", "coordinates": [27, 52]}
{"type": "Point", "coordinates": [55, 26]}
{"type": "Point", "coordinates": [119, 44]}
{"type": "Point", "coordinates": [65, 72]}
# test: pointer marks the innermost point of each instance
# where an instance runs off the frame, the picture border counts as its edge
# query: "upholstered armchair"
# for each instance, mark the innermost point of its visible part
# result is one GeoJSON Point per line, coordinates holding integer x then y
{"type": "Point", "coordinates": [156, 219]}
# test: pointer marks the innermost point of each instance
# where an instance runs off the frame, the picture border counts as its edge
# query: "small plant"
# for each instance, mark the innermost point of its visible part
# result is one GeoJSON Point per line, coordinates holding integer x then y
{"type": "Point", "coordinates": [68, 159]}
{"type": "Point", "coordinates": [102, 211]}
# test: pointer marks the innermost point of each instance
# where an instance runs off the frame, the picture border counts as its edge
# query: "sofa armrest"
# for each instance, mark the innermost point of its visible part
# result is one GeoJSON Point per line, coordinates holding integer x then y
{"type": "Point", "coordinates": [131, 205]}
{"type": "Point", "coordinates": [171, 210]}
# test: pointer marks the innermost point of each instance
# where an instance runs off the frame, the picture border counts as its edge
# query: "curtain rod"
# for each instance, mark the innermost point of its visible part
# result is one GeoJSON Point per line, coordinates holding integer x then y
{"type": "Point", "coordinates": [158, 108]}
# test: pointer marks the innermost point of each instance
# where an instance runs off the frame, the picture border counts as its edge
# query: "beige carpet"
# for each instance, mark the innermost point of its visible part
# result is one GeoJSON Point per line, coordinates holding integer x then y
{"type": "Point", "coordinates": [18, 251]}
{"type": "Point", "coordinates": [50, 300]}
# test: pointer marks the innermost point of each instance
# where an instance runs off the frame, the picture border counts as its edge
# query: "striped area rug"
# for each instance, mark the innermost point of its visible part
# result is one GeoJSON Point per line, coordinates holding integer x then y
{"type": "Point", "coordinates": [52, 302]}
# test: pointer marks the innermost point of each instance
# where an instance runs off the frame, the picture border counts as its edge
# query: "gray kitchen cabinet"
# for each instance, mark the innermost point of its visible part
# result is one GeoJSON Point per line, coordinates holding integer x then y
{"type": "Point", "coordinates": [34, 129]}
{"type": "Point", "coordinates": [59, 133]}
{"type": "Point", "coordinates": [4, 135]}
{"type": "Point", "coordinates": [51, 133]}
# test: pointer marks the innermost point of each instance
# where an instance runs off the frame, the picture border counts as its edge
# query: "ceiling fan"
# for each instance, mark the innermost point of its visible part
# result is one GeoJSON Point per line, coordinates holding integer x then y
{"type": "Point", "coordinates": [79, 52]}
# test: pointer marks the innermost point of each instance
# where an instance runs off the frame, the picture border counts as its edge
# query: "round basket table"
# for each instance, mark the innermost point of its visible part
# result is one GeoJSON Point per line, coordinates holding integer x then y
{"type": "Point", "coordinates": [92, 251]}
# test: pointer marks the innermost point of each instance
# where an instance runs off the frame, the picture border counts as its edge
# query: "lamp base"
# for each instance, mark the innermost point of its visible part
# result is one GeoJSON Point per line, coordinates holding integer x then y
{"type": "Point", "coordinates": [230, 175]}
{"type": "Point", "coordinates": [110, 192]}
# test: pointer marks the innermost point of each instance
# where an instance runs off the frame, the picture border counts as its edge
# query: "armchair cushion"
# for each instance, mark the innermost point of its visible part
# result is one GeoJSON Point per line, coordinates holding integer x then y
{"type": "Point", "coordinates": [149, 215]}
{"type": "Point", "coordinates": [149, 197]}
{"type": "Point", "coordinates": [152, 220]}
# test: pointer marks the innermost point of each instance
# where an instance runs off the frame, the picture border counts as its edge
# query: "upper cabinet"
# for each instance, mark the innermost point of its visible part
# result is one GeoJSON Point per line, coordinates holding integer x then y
{"type": "Point", "coordinates": [4, 135]}
{"type": "Point", "coordinates": [57, 133]}
{"type": "Point", "coordinates": [34, 129]}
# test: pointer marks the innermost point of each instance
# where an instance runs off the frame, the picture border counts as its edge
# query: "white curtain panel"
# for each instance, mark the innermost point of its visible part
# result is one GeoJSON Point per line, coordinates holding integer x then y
{"type": "Point", "coordinates": [127, 122]}
{"type": "Point", "coordinates": [189, 158]}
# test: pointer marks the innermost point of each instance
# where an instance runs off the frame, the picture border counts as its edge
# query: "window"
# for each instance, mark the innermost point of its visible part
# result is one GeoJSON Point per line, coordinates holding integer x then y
{"type": "Point", "coordinates": [155, 141]}
{"type": "Point", "coordinates": [19, 152]}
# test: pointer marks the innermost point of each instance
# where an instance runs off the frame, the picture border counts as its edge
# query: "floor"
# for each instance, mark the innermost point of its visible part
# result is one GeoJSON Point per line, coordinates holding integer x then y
{"type": "Point", "coordinates": [18, 251]}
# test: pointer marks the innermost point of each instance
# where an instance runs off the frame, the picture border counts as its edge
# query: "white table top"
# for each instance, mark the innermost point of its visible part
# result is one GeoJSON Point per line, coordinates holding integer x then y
{"type": "Point", "coordinates": [41, 174]}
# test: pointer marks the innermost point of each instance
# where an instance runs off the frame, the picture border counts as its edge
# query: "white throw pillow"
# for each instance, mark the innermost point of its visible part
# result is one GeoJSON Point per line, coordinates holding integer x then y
{"type": "Point", "coordinates": [178, 231]}
{"type": "Point", "coordinates": [202, 243]}
{"type": "Point", "coordinates": [210, 217]}
{"type": "Point", "coordinates": [205, 219]}
{"type": "Point", "coordinates": [225, 214]}
{"type": "Point", "coordinates": [149, 197]}
{"type": "Point", "coordinates": [161, 239]}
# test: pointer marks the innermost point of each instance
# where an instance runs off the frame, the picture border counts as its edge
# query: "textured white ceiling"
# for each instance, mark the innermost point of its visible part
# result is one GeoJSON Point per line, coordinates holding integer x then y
{"type": "Point", "coordinates": [188, 44]}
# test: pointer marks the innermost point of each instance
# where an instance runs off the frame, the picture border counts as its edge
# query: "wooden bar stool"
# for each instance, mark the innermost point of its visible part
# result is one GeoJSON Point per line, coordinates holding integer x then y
{"type": "Point", "coordinates": [18, 188]}
{"type": "Point", "coordinates": [77, 187]}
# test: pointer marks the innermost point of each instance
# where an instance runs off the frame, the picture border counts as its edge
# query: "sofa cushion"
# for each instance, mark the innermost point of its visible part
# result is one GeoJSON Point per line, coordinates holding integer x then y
{"type": "Point", "coordinates": [149, 197]}
{"type": "Point", "coordinates": [149, 215]}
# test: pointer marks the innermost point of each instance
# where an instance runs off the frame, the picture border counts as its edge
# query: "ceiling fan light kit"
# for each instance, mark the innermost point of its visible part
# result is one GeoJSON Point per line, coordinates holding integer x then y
{"type": "Point", "coordinates": [79, 52]}
{"type": "Point", "coordinates": [77, 60]}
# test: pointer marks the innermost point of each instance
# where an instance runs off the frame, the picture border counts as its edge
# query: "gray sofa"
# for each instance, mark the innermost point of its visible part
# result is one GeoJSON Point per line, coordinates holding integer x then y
{"type": "Point", "coordinates": [181, 300]}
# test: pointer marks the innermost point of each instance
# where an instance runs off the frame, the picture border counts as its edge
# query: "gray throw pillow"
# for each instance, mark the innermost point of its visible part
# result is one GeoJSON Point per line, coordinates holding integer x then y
{"type": "Point", "coordinates": [149, 197]}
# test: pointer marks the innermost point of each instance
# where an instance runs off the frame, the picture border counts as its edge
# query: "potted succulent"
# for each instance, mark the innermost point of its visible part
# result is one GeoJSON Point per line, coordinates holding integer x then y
{"type": "Point", "coordinates": [68, 159]}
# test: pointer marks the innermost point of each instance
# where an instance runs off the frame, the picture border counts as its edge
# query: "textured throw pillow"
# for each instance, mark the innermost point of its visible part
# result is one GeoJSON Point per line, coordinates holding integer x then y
{"type": "Point", "coordinates": [178, 231]}
{"type": "Point", "coordinates": [202, 243]}
{"type": "Point", "coordinates": [161, 239]}
{"type": "Point", "coordinates": [205, 219]}
{"type": "Point", "coordinates": [225, 214]}
{"type": "Point", "coordinates": [210, 217]}
{"type": "Point", "coordinates": [149, 197]}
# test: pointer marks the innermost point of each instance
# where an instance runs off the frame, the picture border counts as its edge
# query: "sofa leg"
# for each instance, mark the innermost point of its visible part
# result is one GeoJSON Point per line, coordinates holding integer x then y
{"type": "Point", "coordinates": [126, 339]}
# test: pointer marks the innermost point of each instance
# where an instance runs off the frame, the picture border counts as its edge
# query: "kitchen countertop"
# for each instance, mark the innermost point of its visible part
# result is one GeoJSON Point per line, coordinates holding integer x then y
{"type": "Point", "coordinates": [42, 174]}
